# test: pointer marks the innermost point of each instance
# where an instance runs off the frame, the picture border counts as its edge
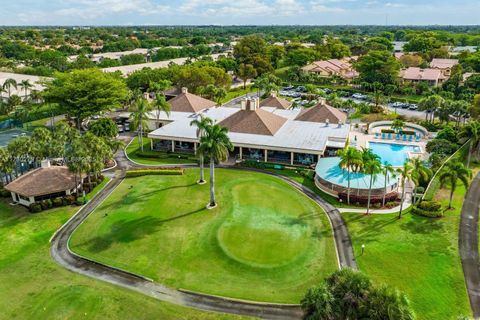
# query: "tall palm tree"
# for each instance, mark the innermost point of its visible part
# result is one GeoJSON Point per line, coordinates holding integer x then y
{"type": "Point", "coordinates": [419, 173]}
{"type": "Point", "coordinates": [25, 85]}
{"type": "Point", "coordinates": [201, 123]}
{"type": "Point", "coordinates": [372, 167]}
{"type": "Point", "coordinates": [216, 144]}
{"type": "Point", "coordinates": [161, 104]}
{"type": "Point", "coordinates": [452, 172]}
{"type": "Point", "coordinates": [8, 84]}
{"type": "Point", "coordinates": [139, 118]}
{"type": "Point", "coordinates": [388, 172]}
{"type": "Point", "coordinates": [351, 160]}
{"type": "Point", "coordinates": [471, 131]}
{"type": "Point", "coordinates": [431, 103]}
{"type": "Point", "coordinates": [406, 172]}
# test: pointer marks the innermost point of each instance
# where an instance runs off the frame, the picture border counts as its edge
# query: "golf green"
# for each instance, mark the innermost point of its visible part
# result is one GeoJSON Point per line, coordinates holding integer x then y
{"type": "Point", "coordinates": [265, 241]}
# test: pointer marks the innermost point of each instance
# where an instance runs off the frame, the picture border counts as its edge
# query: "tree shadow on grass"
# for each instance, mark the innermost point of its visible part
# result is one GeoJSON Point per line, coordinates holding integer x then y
{"type": "Point", "coordinates": [422, 225]}
{"type": "Point", "coordinates": [125, 231]}
{"type": "Point", "coordinates": [373, 229]}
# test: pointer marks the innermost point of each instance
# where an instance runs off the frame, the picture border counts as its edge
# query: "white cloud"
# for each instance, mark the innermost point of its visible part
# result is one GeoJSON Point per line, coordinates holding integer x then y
{"type": "Point", "coordinates": [322, 6]}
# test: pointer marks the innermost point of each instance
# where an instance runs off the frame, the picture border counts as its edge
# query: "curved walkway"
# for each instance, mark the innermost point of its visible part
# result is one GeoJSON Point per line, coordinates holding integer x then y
{"type": "Point", "coordinates": [468, 244]}
{"type": "Point", "coordinates": [62, 254]}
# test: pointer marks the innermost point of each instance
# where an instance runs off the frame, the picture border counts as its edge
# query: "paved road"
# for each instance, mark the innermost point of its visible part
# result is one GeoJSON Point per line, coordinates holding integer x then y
{"type": "Point", "coordinates": [62, 254]}
{"type": "Point", "coordinates": [468, 244]}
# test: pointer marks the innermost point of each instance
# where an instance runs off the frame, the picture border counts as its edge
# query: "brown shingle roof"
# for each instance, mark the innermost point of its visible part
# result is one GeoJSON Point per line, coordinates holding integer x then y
{"type": "Point", "coordinates": [187, 102]}
{"type": "Point", "coordinates": [43, 181]}
{"type": "Point", "coordinates": [320, 113]}
{"type": "Point", "coordinates": [276, 102]}
{"type": "Point", "coordinates": [254, 122]}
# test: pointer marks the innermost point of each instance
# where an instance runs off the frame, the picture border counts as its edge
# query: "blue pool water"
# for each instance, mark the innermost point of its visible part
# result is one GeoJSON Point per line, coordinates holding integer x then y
{"type": "Point", "coordinates": [393, 153]}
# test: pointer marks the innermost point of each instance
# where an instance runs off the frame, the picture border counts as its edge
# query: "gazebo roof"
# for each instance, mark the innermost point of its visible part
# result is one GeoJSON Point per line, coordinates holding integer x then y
{"type": "Point", "coordinates": [43, 181]}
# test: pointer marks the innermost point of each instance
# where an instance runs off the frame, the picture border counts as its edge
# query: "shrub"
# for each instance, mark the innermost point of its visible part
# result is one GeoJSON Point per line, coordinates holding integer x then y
{"type": "Point", "coordinates": [391, 204]}
{"type": "Point", "coordinates": [4, 193]}
{"type": "Point", "coordinates": [430, 209]}
{"type": "Point", "coordinates": [57, 202]}
{"type": "Point", "coordinates": [69, 200]}
{"type": "Point", "coordinates": [159, 171]}
{"type": "Point", "coordinates": [408, 132]}
{"type": "Point", "coordinates": [388, 131]}
{"type": "Point", "coordinates": [44, 205]}
{"type": "Point", "coordinates": [363, 200]}
{"type": "Point", "coordinates": [35, 207]}
{"type": "Point", "coordinates": [79, 201]}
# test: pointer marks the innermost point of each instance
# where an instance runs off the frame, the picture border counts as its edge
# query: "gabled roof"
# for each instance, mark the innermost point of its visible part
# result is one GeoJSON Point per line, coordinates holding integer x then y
{"type": "Point", "coordinates": [320, 113]}
{"type": "Point", "coordinates": [443, 63]}
{"type": "Point", "coordinates": [276, 102]}
{"type": "Point", "coordinates": [414, 73]}
{"type": "Point", "coordinates": [43, 181]}
{"type": "Point", "coordinates": [187, 102]}
{"type": "Point", "coordinates": [254, 122]}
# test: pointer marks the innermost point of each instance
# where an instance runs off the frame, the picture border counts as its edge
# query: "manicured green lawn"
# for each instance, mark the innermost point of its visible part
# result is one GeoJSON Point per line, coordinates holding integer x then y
{"type": "Point", "coordinates": [265, 241]}
{"type": "Point", "coordinates": [417, 255]}
{"type": "Point", "coordinates": [33, 286]}
{"type": "Point", "coordinates": [156, 157]}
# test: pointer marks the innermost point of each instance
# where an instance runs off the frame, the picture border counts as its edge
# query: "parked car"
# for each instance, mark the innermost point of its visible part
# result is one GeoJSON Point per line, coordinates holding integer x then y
{"type": "Point", "coordinates": [413, 107]}
{"type": "Point", "coordinates": [120, 128]}
{"type": "Point", "coordinates": [288, 88]}
{"type": "Point", "coordinates": [359, 96]}
{"type": "Point", "coordinates": [301, 89]}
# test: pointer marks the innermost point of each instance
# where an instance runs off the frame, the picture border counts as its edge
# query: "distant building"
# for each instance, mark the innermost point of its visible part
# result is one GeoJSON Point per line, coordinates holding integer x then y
{"type": "Point", "coordinates": [332, 67]}
{"type": "Point", "coordinates": [433, 77]}
{"type": "Point", "coordinates": [445, 65]}
{"type": "Point", "coordinates": [458, 50]}
{"type": "Point", "coordinates": [398, 46]}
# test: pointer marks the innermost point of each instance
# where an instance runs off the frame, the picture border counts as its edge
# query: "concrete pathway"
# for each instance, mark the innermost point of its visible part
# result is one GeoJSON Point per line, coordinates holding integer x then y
{"type": "Point", "coordinates": [407, 204]}
{"type": "Point", "coordinates": [468, 244]}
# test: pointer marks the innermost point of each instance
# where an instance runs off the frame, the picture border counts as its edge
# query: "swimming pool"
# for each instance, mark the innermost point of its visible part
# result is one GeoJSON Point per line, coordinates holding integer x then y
{"type": "Point", "coordinates": [393, 153]}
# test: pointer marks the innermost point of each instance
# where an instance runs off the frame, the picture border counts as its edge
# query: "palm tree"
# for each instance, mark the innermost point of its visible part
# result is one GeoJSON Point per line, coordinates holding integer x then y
{"type": "Point", "coordinates": [161, 104]}
{"type": "Point", "coordinates": [398, 125]}
{"type": "Point", "coordinates": [350, 159]}
{"type": "Point", "coordinates": [388, 172]}
{"type": "Point", "coordinates": [139, 118]}
{"type": "Point", "coordinates": [25, 85]}
{"type": "Point", "coordinates": [216, 144]}
{"type": "Point", "coordinates": [406, 172]}
{"type": "Point", "coordinates": [471, 131]}
{"type": "Point", "coordinates": [201, 123]}
{"type": "Point", "coordinates": [452, 172]}
{"type": "Point", "coordinates": [431, 103]}
{"type": "Point", "coordinates": [419, 173]}
{"type": "Point", "coordinates": [8, 84]}
{"type": "Point", "coordinates": [372, 167]}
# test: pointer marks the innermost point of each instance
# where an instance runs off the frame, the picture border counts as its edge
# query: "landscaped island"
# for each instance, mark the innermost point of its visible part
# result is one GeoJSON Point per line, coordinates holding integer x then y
{"type": "Point", "coordinates": [265, 241]}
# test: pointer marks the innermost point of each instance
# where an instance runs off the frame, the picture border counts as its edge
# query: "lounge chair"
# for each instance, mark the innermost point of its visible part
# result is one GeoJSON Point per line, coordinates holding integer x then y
{"type": "Point", "coordinates": [397, 137]}
{"type": "Point", "coordinates": [376, 135]}
{"type": "Point", "coordinates": [417, 138]}
{"type": "Point", "coordinates": [389, 136]}
{"type": "Point", "coordinates": [383, 136]}
{"type": "Point", "coordinates": [404, 137]}
{"type": "Point", "coordinates": [410, 138]}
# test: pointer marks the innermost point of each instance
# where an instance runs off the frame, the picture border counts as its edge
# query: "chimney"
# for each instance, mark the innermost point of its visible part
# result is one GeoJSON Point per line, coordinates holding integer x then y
{"type": "Point", "coordinates": [274, 94]}
{"type": "Point", "coordinates": [243, 104]}
{"type": "Point", "coordinates": [184, 90]}
{"type": "Point", "coordinates": [327, 122]}
{"type": "Point", "coordinates": [45, 163]}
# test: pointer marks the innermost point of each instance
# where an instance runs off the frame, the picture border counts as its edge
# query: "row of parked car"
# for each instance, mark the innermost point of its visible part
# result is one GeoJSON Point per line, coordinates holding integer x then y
{"type": "Point", "coordinates": [409, 106]}
{"type": "Point", "coordinates": [293, 92]}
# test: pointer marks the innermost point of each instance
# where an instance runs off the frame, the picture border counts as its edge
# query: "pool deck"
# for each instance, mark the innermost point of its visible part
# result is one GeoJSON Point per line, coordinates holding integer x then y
{"type": "Point", "coordinates": [360, 140]}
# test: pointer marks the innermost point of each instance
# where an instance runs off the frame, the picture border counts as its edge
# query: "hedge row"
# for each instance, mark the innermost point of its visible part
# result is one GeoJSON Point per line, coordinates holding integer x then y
{"type": "Point", "coordinates": [159, 171]}
{"type": "Point", "coordinates": [52, 203]}
{"type": "Point", "coordinates": [363, 200]}
{"type": "Point", "coordinates": [161, 155]}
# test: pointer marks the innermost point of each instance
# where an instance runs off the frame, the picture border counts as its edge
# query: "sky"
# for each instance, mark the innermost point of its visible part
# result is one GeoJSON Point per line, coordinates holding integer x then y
{"type": "Point", "coordinates": [239, 12]}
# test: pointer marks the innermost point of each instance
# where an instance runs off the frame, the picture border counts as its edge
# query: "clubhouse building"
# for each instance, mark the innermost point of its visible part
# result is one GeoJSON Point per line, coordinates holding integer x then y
{"type": "Point", "coordinates": [268, 131]}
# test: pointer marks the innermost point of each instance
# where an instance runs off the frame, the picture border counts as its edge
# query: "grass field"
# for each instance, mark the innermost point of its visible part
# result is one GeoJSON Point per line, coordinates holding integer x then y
{"type": "Point", "coordinates": [33, 286]}
{"type": "Point", "coordinates": [265, 241]}
{"type": "Point", "coordinates": [417, 255]}
{"type": "Point", "coordinates": [155, 157]}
